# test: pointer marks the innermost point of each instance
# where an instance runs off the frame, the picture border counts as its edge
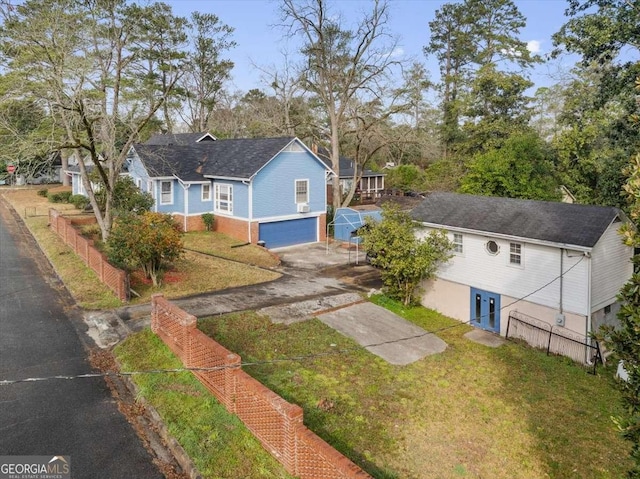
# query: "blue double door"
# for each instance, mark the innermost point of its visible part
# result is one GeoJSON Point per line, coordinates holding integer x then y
{"type": "Point", "coordinates": [485, 310]}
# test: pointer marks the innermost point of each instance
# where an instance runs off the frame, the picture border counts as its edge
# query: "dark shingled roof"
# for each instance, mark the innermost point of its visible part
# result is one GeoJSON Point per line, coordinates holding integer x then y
{"type": "Point", "coordinates": [346, 165]}
{"type": "Point", "coordinates": [178, 138]}
{"type": "Point", "coordinates": [233, 158]}
{"type": "Point", "coordinates": [571, 224]}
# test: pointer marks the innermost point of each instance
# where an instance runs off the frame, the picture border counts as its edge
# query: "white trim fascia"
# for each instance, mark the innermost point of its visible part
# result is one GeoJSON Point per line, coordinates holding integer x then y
{"type": "Point", "coordinates": [204, 136]}
{"type": "Point", "coordinates": [513, 238]}
{"type": "Point", "coordinates": [271, 219]}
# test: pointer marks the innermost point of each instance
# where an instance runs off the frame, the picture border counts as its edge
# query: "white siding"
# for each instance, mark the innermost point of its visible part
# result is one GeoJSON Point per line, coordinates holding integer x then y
{"type": "Point", "coordinates": [611, 267]}
{"type": "Point", "coordinates": [540, 265]}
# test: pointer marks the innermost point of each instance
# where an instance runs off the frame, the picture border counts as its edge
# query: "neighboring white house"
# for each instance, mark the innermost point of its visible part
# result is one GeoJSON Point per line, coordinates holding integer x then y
{"type": "Point", "coordinates": [561, 263]}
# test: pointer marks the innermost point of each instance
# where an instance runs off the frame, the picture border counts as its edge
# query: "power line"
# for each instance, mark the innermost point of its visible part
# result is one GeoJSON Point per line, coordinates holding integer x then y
{"type": "Point", "coordinates": [300, 358]}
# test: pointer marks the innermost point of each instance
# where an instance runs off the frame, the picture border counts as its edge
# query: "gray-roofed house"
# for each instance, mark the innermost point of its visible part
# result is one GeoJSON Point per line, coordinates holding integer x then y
{"type": "Point", "coordinates": [259, 189]}
{"type": "Point", "coordinates": [560, 263]}
{"type": "Point", "coordinates": [370, 185]}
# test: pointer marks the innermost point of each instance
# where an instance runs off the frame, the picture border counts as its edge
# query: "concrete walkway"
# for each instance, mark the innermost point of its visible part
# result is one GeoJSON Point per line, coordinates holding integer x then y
{"type": "Point", "coordinates": [384, 333]}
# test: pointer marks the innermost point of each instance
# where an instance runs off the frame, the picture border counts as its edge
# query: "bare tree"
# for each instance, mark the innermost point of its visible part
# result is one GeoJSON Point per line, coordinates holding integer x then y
{"type": "Point", "coordinates": [341, 62]}
{"type": "Point", "coordinates": [87, 60]}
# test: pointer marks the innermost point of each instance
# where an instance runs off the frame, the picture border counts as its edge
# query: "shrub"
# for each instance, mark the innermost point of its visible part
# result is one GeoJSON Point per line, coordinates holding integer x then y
{"type": "Point", "coordinates": [150, 241]}
{"type": "Point", "coordinates": [207, 219]}
{"type": "Point", "coordinates": [62, 197]}
{"type": "Point", "coordinates": [79, 201]}
{"type": "Point", "coordinates": [43, 192]}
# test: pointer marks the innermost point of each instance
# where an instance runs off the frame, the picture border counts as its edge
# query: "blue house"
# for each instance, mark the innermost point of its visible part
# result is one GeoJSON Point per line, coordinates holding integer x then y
{"type": "Point", "coordinates": [259, 189]}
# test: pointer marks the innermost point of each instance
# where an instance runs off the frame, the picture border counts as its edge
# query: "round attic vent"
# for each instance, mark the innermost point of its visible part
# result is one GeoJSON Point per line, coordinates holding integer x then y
{"type": "Point", "coordinates": [492, 247]}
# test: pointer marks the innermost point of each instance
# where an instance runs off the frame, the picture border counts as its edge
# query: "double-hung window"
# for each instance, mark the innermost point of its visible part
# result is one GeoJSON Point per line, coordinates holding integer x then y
{"type": "Point", "coordinates": [302, 191]}
{"type": "Point", "coordinates": [457, 243]}
{"type": "Point", "coordinates": [223, 198]}
{"type": "Point", "coordinates": [166, 192]}
{"type": "Point", "coordinates": [515, 254]}
{"type": "Point", "coordinates": [206, 192]}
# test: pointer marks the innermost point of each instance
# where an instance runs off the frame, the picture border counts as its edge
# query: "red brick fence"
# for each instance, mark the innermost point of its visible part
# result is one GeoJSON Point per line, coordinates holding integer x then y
{"type": "Point", "coordinates": [114, 278]}
{"type": "Point", "coordinates": [275, 422]}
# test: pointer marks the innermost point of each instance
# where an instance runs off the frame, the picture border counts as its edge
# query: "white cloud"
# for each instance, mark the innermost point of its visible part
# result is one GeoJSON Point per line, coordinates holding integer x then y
{"type": "Point", "coordinates": [533, 46]}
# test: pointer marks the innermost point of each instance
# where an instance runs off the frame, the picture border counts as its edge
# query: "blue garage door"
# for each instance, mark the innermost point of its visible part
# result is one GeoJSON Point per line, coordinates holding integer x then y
{"type": "Point", "coordinates": [287, 233]}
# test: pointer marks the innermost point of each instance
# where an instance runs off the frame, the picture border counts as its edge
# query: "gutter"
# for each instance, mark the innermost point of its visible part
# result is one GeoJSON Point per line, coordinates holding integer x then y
{"type": "Point", "coordinates": [520, 239]}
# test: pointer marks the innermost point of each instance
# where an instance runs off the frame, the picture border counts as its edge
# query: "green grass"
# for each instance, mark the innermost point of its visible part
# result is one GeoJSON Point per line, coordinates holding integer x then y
{"type": "Point", "coordinates": [217, 441]}
{"type": "Point", "coordinates": [471, 411]}
{"type": "Point", "coordinates": [224, 246]}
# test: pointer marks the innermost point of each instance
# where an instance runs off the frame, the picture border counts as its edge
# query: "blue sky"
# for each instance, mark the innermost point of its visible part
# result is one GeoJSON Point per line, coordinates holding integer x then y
{"type": "Point", "coordinates": [260, 40]}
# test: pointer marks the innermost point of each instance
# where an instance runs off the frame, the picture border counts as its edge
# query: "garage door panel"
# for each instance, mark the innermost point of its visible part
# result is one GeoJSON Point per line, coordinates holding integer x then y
{"type": "Point", "coordinates": [286, 233]}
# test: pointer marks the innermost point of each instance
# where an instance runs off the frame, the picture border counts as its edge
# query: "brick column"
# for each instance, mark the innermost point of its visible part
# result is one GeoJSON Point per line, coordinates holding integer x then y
{"type": "Point", "coordinates": [292, 422]}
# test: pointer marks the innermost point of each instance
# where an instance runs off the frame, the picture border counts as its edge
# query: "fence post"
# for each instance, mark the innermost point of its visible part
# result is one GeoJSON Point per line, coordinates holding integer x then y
{"type": "Point", "coordinates": [506, 334]}
{"type": "Point", "coordinates": [549, 342]}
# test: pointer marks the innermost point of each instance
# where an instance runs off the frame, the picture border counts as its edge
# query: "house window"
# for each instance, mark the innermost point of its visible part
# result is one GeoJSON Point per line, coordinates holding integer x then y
{"type": "Point", "coordinates": [166, 192]}
{"type": "Point", "coordinates": [457, 242]}
{"type": "Point", "coordinates": [302, 191]}
{"type": "Point", "coordinates": [224, 198]}
{"type": "Point", "coordinates": [206, 192]}
{"type": "Point", "coordinates": [150, 187]}
{"type": "Point", "coordinates": [607, 309]}
{"type": "Point", "coordinates": [492, 247]}
{"type": "Point", "coordinates": [515, 253]}
{"type": "Point", "coordinates": [139, 183]}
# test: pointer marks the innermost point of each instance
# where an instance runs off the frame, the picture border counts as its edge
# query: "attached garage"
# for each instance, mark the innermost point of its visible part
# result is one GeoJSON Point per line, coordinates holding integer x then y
{"type": "Point", "coordinates": [286, 233]}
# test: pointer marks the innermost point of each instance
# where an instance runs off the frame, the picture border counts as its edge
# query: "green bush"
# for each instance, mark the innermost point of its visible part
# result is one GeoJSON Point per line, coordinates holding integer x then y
{"type": "Point", "coordinates": [79, 201]}
{"type": "Point", "coordinates": [207, 219]}
{"type": "Point", "coordinates": [62, 197]}
{"type": "Point", "coordinates": [43, 192]}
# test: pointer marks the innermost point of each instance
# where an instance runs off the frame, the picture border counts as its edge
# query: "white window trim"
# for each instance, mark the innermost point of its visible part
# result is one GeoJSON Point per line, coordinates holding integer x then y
{"type": "Point", "coordinates": [295, 191]}
{"type": "Point", "coordinates": [170, 192]}
{"type": "Point", "coordinates": [458, 244]}
{"type": "Point", "coordinates": [202, 195]}
{"type": "Point", "coordinates": [521, 254]}
{"type": "Point", "coordinates": [216, 205]}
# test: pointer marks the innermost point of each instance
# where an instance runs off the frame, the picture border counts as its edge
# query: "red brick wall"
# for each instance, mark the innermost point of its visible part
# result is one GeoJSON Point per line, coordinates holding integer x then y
{"type": "Point", "coordinates": [276, 423]}
{"type": "Point", "coordinates": [116, 279]}
{"type": "Point", "coordinates": [194, 223]}
{"type": "Point", "coordinates": [233, 227]}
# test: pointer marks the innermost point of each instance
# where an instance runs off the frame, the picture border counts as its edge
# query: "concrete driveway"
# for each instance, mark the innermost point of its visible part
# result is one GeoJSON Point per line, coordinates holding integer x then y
{"type": "Point", "coordinates": [328, 283]}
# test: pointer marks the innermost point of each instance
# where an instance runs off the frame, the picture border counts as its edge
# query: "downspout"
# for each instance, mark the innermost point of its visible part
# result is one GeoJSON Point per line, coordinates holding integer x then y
{"type": "Point", "coordinates": [185, 188]}
{"type": "Point", "coordinates": [250, 195]}
{"type": "Point", "coordinates": [561, 277]}
{"type": "Point", "coordinates": [589, 326]}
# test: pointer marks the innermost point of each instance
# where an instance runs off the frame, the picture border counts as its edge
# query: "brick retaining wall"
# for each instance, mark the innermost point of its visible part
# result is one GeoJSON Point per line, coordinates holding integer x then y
{"type": "Point", "coordinates": [276, 423]}
{"type": "Point", "coordinates": [115, 278]}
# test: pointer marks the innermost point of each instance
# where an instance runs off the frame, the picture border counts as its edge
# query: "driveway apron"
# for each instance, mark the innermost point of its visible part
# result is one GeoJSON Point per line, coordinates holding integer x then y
{"type": "Point", "coordinates": [79, 417]}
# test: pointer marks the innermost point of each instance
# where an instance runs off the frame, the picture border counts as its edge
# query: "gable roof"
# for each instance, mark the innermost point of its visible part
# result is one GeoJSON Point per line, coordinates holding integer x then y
{"type": "Point", "coordinates": [180, 138]}
{"type": "Point", "coordinates": [563, 223]}
{"type": "Point", "coordinates": [238, 158]}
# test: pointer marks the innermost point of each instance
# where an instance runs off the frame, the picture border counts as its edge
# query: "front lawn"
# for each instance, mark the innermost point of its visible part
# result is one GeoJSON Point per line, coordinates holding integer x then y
{"type": "Point", "coordinates": [194, 273]}
{"type": "Point", "coordinates": [471, 411]}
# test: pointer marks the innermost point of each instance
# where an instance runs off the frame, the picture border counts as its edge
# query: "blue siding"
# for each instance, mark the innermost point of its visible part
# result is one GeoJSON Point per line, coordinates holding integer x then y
{"type": "Point", "coordinates": [178, 198]}
{"type": "Point", "coordinates": [240, 198]}
{"type": "Point", "coordinates": [274, 186]}
{"type": "Point", "coordinates": [196, 205]}
{"type": "Point", "coordinates": [137, 171]}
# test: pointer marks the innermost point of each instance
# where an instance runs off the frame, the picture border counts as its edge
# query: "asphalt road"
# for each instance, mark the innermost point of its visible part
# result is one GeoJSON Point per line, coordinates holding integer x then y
{"type": "Point", "coordinates": [39, 338]}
